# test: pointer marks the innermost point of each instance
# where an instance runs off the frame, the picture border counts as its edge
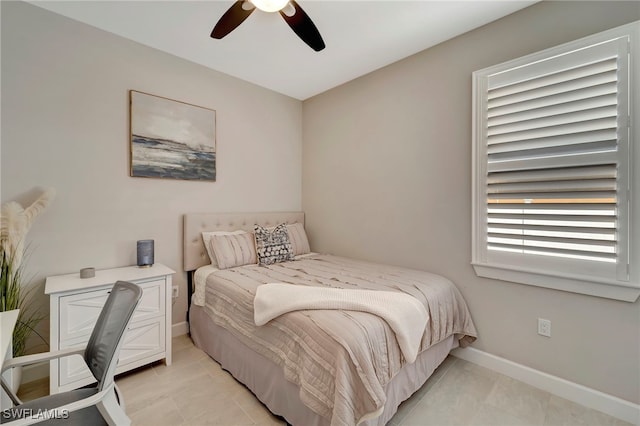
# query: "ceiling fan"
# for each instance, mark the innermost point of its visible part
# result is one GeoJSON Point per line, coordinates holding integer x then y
{"type": "Point", "coordinates": [292, 13]}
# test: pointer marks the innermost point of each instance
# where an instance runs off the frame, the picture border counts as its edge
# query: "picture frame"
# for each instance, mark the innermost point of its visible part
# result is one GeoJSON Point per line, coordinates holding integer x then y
{"type": "Point", "coordinates": [171, 139]}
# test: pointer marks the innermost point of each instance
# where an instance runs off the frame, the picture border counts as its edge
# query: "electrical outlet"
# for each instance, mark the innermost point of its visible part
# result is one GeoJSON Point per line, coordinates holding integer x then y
{"type": "Point", "coordinates": [544, 327]}
{"type": "Point", "coordinates": [174, 292]}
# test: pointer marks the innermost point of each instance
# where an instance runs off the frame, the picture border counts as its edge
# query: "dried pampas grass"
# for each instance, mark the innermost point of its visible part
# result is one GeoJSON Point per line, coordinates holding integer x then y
{"type": "Point", "coordinates": [15, 222]}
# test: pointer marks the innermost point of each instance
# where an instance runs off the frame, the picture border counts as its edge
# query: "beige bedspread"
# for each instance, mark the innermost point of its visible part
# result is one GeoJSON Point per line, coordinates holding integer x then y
{"type": "Point", "coordinates": [340, 359]}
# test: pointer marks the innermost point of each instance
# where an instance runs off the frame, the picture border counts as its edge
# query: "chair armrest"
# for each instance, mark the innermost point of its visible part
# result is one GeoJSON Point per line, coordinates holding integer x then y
{"type": "Point", "coordinates": [59, 411]}
{"type": "Point", "coordinates": [32, 359]}
{"type": "Point", "coordinates": [36, 358]}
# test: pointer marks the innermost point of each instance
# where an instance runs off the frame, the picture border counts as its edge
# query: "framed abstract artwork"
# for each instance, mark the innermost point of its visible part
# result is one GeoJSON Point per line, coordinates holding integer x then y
{"type": "Point", "coordinates": [171, 139]}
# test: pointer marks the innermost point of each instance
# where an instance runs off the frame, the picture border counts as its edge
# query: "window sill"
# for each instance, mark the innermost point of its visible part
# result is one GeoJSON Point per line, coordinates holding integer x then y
{"type": "Point", "coordinates": [623, 292]}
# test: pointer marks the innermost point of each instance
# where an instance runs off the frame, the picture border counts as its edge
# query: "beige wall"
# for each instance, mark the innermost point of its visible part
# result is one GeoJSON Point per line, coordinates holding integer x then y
{"type": "Point", "coordinates": [65, 124]}
{"type": "Point", "coordinates": [387, 177]}
{"type": "Point", "coordinates": [386, 161]}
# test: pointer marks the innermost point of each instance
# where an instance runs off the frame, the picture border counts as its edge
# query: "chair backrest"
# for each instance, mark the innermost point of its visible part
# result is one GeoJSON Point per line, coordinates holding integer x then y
{"type": "Point", "coordinates": [101, 354]}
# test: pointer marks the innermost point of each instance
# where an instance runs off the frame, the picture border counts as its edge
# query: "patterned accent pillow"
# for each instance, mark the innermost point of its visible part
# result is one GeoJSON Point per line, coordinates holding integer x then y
{"type": "Point", "coordinates": [234, 250]}
{"type": "Point", "coordinates": [273, 246]}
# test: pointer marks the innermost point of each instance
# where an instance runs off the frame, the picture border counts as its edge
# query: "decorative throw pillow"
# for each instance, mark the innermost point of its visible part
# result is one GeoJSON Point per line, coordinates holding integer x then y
{"type": "Point", "coordinates": [273, 246]}
{"type": "Point", "coordinates": [234, 250]}
{"type": "Point", "coordinates": [298, 238]}
{"type": "Point", "coordinates": [206, 239]}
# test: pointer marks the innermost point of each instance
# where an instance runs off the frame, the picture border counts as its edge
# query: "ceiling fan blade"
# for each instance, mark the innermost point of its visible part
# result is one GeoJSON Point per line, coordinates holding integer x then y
{"type": "Point", "coordinates": [302, 25]}
{"type": "Point", "coordinates": [232, 18]}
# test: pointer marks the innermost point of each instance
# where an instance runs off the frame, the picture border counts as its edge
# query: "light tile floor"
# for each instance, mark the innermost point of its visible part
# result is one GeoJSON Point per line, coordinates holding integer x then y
{"type": "Point", "coordinates": [195, 391]}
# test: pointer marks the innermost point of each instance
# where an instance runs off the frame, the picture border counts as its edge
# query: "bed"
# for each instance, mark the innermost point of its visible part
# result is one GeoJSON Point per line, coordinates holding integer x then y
{"type": "Point", "coordinates": [319, 366]}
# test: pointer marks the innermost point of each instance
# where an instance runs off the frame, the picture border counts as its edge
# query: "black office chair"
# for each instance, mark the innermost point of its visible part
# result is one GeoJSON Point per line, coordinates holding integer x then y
{"type": "Point", "coordinates": [97, 404]}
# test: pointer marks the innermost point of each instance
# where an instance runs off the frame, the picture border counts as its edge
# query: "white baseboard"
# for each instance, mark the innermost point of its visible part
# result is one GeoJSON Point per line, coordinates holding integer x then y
{"type": "Point", "coordinates": [179, 329]}
{"type": "Point", "coordinates": [591, 398]}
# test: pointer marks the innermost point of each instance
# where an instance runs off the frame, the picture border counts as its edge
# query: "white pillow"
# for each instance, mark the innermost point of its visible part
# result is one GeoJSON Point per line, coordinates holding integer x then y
{"type": "Point", "coordinates": [206, 239]}
{"type": "Point", "coordinates": [298, 239]}
{"type": "Point", "coordinates": [234, 250]}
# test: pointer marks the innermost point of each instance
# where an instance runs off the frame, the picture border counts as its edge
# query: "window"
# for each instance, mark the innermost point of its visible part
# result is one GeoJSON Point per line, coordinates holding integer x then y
{"type": "Point", "coordinates": [553, 167]}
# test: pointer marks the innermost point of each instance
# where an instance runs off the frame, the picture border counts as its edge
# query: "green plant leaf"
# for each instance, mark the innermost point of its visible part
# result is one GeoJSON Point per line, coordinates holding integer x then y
{"type": "Point", "coordinates": [14, 294]}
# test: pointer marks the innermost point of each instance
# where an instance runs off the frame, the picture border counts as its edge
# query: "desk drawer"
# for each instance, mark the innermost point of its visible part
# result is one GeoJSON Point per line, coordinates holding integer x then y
{"type": "Point", "coordinates": [79, 312]}
{"type": "Point", "coordinates": [143, 339]}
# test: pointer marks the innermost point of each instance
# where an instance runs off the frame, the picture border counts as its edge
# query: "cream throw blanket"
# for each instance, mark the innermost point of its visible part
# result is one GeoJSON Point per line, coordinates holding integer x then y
{"type": "Point", "coordinates": [405, 314]}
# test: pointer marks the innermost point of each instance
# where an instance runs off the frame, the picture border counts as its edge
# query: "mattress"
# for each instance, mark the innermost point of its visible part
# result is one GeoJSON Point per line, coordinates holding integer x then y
{"type": "Point", "coordinates": [341, 365]}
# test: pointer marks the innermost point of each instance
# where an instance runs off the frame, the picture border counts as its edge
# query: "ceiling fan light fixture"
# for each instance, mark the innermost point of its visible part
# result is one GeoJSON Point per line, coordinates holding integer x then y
{"type": "Point", "coordinates": [270, 5]}
{"type": "Point", "coordinates": [290, 10]}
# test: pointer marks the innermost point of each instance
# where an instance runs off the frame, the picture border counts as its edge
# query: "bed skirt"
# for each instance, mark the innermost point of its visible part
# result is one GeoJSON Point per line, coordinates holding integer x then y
{"type": "Point", "coordinates": [267, 381]}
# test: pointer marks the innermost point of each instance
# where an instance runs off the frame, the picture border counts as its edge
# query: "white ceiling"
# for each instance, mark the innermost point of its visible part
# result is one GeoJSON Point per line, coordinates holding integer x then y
{"type": "Point", "coordinates": [361, 36]}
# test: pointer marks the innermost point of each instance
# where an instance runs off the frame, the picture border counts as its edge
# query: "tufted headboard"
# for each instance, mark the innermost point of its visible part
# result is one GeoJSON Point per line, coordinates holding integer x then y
{"type": "Point", "coordinates": [194, 253]}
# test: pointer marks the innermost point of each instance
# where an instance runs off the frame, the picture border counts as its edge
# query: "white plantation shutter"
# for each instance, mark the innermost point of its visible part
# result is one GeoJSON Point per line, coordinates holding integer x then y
{"type": "Point", "coordinates": [552, 148]}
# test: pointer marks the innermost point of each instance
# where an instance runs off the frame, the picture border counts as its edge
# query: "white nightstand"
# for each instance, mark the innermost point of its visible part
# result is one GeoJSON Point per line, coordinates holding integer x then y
{"type": "Point", "coordinates": [76, 303]}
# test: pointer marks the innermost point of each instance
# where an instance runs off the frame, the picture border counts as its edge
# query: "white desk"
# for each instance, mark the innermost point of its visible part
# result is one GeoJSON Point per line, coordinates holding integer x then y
{"type": "Point", "coordinates": [75, 304]}
{"type": "Point", "coordinates": [7, 323]}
